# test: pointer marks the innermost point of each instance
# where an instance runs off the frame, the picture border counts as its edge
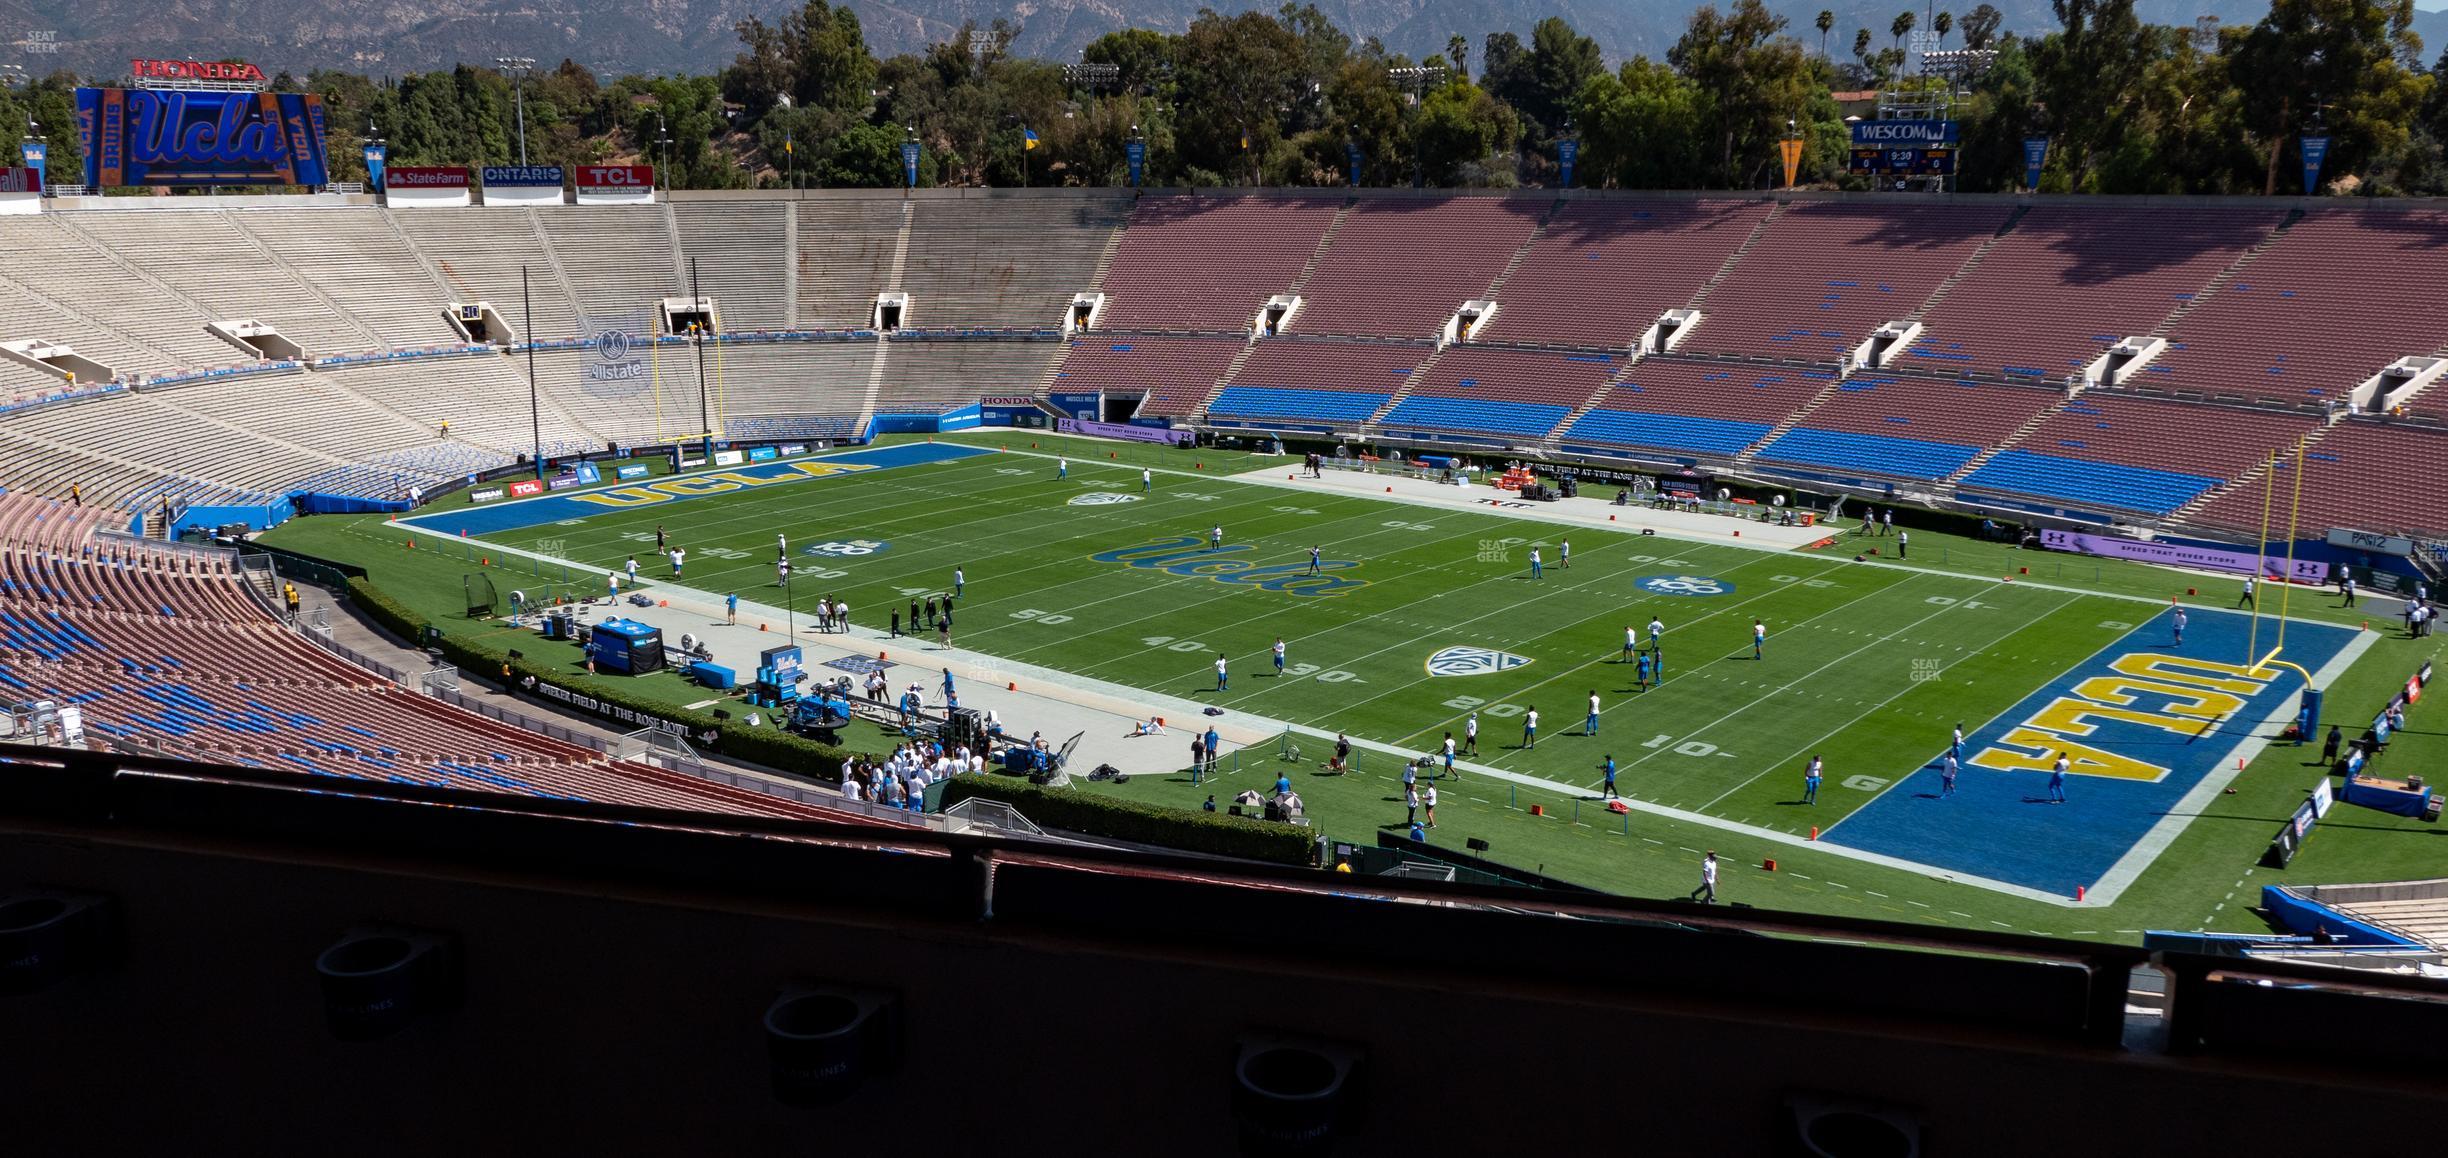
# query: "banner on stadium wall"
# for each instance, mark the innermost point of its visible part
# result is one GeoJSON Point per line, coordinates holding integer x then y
{"type": "Point", "coordinates": [2175, 555]}
{"type": "Point", "coordinates": [20, 190]}
{"type": "Point", "coordinates": [1087, 407]}
{"type": "Point", "coordinates": [763, 454]}
{"type": "Point", "coordinates": [2368, 542]}
{"type": "Point", "coordinates": [1568, 152]}
{"type": "Point", "coordinates": [634, 470]}
{"type": "Point", "coordinates": [2315, 150]}
{"type": "Point", "coordinates": [728, 458]}
{"type": "Point", "coordinates": [615, 184]}
{"type": "Point", "coordinates": [1135, 152]}
{"type": "Point", "coordinates": [1790, 151]}
{"type": "Point", "coordinates": [909, 163]}
{"type": "Point", "coordinates": [375, 155]}
{"type": "Point", "coordinates": [2035, 158]}
{"type": "Point", "coordinates": [1352, 155]}
{"type": "Point", "coordinates": [523, 184]}
{"type": "Point", "coordinates": [183, 137]}
{"type": "Point", "coordinates": [1131, 433]}
{"type": "Point", "coordinates": [36, 155]}
{"type": "Point", "coordinates": [526, 487]}
{"type": "Point", "coordinates": [425, 186]}
{"type": "Point", "coordinates": [1018, 400]}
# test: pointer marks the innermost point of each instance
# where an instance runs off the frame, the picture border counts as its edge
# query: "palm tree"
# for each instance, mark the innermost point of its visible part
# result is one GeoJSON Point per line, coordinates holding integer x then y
{"type": "Point", "coordinates": [1458, 50]}
{"type": "Point", "coordinates": [1902, 28]}
{"type": "Point", "coordinates": [1945, 24]}
{"type": "Point", "coordinates": [1861, 47]}
{"type": "Point", "coordinates": [1826, 21]}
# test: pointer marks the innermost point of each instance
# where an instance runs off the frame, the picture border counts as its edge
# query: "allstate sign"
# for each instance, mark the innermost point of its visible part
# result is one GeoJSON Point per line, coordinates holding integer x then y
{"type": "Point", "coordinates": [1683, 585]}
{"type": "Point", "coordinates": [613, 361]}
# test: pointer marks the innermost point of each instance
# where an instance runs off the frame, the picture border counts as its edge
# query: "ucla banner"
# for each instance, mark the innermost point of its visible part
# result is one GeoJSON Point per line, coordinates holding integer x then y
{"type": "Point", "coordinates": [1567, 152]}
{"type": "Point", "coordinates": [2315, 150]}
{"type": "Point", "coordinates": [375, 155]}
{"type": "Point", "coordinates": [180, 137]}
{"type": "Point", "coordinates": [909, 162]}
{"type": "Point", "coordinates": [1133, 151]}
{"type": "Point", "coordinates": [2035, 158]}
{"type": "Point", "coordinates": [35, 154]}
{"type": "Point", "coordinates": [1352, 152]}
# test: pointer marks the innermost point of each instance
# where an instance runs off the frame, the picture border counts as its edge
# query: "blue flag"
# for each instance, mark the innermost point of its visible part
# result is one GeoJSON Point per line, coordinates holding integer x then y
{"type": "Point", "coordinates": [2315, 150]}
{"type": "Point", "coordinates": [2035, 156]}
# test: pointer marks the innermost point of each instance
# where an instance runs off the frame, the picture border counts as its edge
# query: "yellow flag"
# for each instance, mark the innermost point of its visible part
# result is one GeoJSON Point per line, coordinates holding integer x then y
{"type": "Point", "coordinates": [1791, 147]}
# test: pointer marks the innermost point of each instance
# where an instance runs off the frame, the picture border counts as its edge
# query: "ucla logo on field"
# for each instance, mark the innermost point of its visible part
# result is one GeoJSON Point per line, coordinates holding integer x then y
{"type": "Point", "coordinates": [1683, 585]}
{"type": "Point", "coordinates": [846, 549]}
{"type": "Point", "coordinates": [1103, 499]}
{"type": "Point", "coordinates": [1189, 557]}
{"type": "Point", "coordinates": [1471, 661]}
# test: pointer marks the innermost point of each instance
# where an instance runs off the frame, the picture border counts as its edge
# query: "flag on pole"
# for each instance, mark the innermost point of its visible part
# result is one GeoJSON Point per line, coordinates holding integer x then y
{"type": "Point", "coordinates": [1028, 138]}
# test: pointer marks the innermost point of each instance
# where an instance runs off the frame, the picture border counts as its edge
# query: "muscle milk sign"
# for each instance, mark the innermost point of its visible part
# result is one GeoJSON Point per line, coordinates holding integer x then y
{"type": "Point", "coordinates": [615, 184]}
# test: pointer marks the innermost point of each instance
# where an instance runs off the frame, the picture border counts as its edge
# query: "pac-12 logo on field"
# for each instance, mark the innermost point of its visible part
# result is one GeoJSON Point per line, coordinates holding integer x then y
{"type": "Point", "coordinates": [1683, 585]}
{"type": "Point", "coordinates": [1103, 499]}
{"type": "Point", "coordinates": [849, 549]}
{"type": "Point", "coordinates": [1471, 661]}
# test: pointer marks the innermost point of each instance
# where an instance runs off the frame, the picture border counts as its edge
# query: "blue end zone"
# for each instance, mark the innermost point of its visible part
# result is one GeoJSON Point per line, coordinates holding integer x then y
{"type": "Point", "coordinates": [1999, 824]}
{"type": "Point", "coordinates": [537, 512]}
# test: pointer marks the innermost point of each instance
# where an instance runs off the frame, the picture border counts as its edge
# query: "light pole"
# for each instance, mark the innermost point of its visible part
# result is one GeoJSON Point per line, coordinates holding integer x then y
{"type": "Point", "coordinates": [663, 139]}
{"type": "Point", "coordinates": [518, 67]}
{"type": "Point", "coordinates": [1419, 78]}
{"type": "Point", "coordinates": [790, 150]}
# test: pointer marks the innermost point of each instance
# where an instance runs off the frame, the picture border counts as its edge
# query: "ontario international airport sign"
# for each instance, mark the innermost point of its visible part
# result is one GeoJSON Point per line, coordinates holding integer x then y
{"type": "Point", "coordinates": [523, 184]}
{"type": "Point", "coordinates": [168, 136]}
{"type": "Point", "coordinates": [1906, 147]}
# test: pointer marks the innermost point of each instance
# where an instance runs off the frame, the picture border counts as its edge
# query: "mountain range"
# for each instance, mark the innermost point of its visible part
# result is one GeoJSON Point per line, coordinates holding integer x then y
{"type": "Point", "coordinates": [614, 37]}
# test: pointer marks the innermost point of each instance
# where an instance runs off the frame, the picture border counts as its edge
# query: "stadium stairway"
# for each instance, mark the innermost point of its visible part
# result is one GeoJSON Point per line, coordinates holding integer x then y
{"type": "Point", "coordinates": [2250, 478]}
{"type": "Point", "coordinates": [1249, 347]}
{"type": "Point", "coordinates": [1700, 297]}
{"type": "Point", "coordinates": [347, 318]}
{"type": "Point", "coordinates": [2011, 441]}
{"type": "Point", "coordinates": [1971, 265]}
{"type": "Point", "coordinates": [1317, 256]}
{"type": "Point", "coordinates": [1794, 419]}
{"type": "Point", "coordinates": [1555, 438]}
{"type": "Point", "coordinates": [1412, 380]}
{"type": "Point", "coordinates": [2167, 325]}
{"type": "Point", "coordinates": [1495, 289]}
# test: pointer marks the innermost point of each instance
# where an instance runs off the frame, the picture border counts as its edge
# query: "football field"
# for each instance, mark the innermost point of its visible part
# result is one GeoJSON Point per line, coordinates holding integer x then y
{"type": "Point", "coordinates": [1415, 618]}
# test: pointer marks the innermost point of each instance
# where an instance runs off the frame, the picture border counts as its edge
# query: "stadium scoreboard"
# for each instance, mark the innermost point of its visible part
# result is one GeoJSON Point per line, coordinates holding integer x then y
{"type": "Point", "coordinates": [1905, 148]}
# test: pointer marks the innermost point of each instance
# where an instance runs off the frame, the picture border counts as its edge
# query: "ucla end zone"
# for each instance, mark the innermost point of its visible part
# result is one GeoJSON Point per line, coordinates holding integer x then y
{"type": "Point", "coordinates": [2147, 726]}
{"type": "Point", "coordinates": [548, 509]}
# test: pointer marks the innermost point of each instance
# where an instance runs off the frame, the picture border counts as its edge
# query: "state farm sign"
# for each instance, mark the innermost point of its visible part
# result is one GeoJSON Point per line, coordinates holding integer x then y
{"type": "Point", "coordinates": [425, 177]}
{"type": "Point", "coordinates": [232, 70]}
{"type": "Point", "coordinates": [616, 176]}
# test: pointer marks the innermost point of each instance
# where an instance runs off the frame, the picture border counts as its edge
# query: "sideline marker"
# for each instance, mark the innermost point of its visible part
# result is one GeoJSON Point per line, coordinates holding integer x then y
{"type": "Point", "coordinates": [760, 627]}
{"type": "Point", "coordinates": [1013, 686]}
{"type": "Point", "coordinates": [1814, 832]}
{"type": "Point", "coordinates": [1769, 864]}
{"type": "Point", "coordinates": [2078, 893]}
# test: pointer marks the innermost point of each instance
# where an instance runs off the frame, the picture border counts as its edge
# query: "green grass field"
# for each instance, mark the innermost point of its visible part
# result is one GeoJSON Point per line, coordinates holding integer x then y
{"type": "Point", "coordinates": [1869, 667]}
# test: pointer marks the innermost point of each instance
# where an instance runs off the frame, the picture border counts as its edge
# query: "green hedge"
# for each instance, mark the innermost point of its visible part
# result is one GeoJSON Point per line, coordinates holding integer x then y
{"type": "Point", "coordinates": [770, 745]}
{"type": "Point", "coordinates": [1097, 814]}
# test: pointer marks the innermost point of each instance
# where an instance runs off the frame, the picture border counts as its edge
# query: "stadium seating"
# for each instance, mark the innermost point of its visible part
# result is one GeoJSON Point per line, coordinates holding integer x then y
{"type": "Point", "coordinates": [2106, 451]}
{"type": "Point", "coordinates": [739, 255]}
{"type": "Point", "coordinates": [932, 377]}
{"type": "Point", "coordinates": [1825, 274]}
{"type": "Point", "coordinates": [1319, 381]}
{"type": "Point", "coordinates": [165, 652]}
{"type": "Point", "coordinates": [2070, 281]}
{"type": "Point", "coordinates": [1010, 262]}
{"type": "Point", "coordinates": [620, 262]}
{"type": "Point", "coordinates": [1516, 393]}
{"type": "Point", "coordinates": [1603, 271]}
{"type": "Point", "coordinates": [1178, 375]}
{"type": "Point", "coordinates": [1693, 407]}
{"type": "Point", "coordinates": [203, 258]}
{"type": "Point", "coordinates": [2367, 474]}
{"type": "Point", "coordinates": [362, 263]}
{"type": "Point", "coordinates": [1399, 267]}
{"type": "Point", "coordinates": [481, 254]}
{"type": "Point", "coordinates": [161, 331]}
{"type": "Point", "coordinates": [2299, 324]}
{"type": "Point", "coordinates": [846, 257]}
{"type": "Point", "coordinates": [1208, 263]}
{"type": "Point", "coordinates": [1906, 426]}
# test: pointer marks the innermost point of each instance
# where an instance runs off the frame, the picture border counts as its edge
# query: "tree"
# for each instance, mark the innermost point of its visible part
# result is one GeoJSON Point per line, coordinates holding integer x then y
{"type": "Point", "coordinates": [1826, 21]}
{"type": "Point", "coordinates": [1861, 46]}
{"type": "Point", "coordinates": [1981, 26]}
{"type": "Point", "coordinates": [2349, 61]}
{"type": "Point", "coordinates": [1754, 77]}
{"type": "Point", "coordinates": [1457, 50]}
{"type": "Point", "coordinates": [1249, 68]}
{"type": "Point", "coordinates": [1458, 129]}
{"type": "Point", "coordinates": [2085, 73]}
{"type": "Point", "coordinates": [1642, 128]}
{"type": "Point", "coordinates": [1902, 26]}
{"type": "Point", "coordinates": [1943, 25]}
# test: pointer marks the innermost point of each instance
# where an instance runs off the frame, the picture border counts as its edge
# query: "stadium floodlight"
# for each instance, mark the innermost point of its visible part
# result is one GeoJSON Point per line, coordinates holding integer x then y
{"type": "Point", "coordinates": [1419, 78]}
{"type": "Point", "coordinates": [518, 67]}
{"type": "Point", "coordinates": [1958, 63]}
{"type": "Point", "coordinates": [663, 139]}
{"type": "Point", "coordinates": [1092, 75]}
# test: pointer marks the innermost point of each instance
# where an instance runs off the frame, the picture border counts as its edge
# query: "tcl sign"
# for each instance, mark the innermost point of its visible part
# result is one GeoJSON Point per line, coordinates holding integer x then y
{"type": "Point", "coordinates": [237, 70]}
{"type": "Point", "coordinates": [616, 176]}
{"type": "Point", "coordinates": [526, 487]}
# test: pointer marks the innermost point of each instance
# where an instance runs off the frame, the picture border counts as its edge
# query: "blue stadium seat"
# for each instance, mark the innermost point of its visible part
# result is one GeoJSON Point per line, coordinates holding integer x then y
{"type": "Point", "coordinates": [2096, 484]}
{"type": "Point", "coordinates": [1313, 405]}
{"type": "Point", "coordinates": [1868, 453]}
{"type": "Point", "coordinates": [1667, 431]}
{"type": "Point", "coordinates": [1524, 419]}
